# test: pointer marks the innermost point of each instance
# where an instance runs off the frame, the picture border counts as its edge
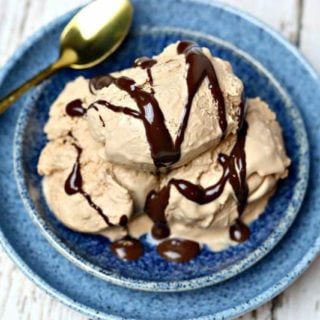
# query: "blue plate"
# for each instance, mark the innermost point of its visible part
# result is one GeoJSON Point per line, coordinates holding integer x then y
{"type": "Point", "coordinates": [288, 72]}
{"type": "Point", "coordinates": [151, 272]}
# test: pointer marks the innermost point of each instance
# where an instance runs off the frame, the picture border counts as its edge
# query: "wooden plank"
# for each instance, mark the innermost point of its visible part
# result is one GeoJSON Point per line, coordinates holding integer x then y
{"type": "Point", "coordinates": [302, 300]}
{"type": "Point", "coordinates": [47, 11]}
{"type": "Point", "coordinates": [18, 21]}
{"type": "Point", "coordinates": [11, 23]}
{"type": "Point", "coordinates": [263, 313]}
{"type": "Point", "coordinates": [310, 32]}
{"type": "Point", "coordinates": [20, 299]}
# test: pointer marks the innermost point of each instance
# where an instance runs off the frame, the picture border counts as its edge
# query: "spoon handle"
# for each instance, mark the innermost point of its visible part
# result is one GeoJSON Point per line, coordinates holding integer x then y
{"type": "Point", "coordinates": [14, 95]}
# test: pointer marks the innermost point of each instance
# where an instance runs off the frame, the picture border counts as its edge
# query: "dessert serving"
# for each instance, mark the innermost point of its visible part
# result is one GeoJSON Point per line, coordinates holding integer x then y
{"type": "Point", "coordinates": [169, 147]}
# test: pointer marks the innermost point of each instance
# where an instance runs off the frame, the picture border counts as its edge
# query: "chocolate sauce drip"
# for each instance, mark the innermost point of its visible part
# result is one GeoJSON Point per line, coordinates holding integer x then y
{"type": "Point", "coordinates": [178, 250]}
{"type": "Point", "coordinates": [200, 67]}
{"type": "Point", "coordinates": [73, 185]}
{"type": "Point", "coordinates": [164, 151]}
{"type": "Point", "coordinates": [147, 64]}
{"type": "Point", "coordinates": [127, 248]}
{"type": "Point", "coordinates": [162, 147]}
{"type": "Point", "coordinates": [239, 232]}
{"type": "Point", "coordinates": [75, 108]}
{"type": "Point", "coordinates": [234, 171]}
{"type": "Point", "coordinates": [197, 193]}
{"type": "Point", "coordinates": [114, 108]}
{"type": "Point", "coordinates": [124, 221]}
{"type": "Point", "coordinates": [102, 121]}
{"type": "Point", "coordinates": [100, 82]}
{"type": "Point", "coordinates": [156, 204]}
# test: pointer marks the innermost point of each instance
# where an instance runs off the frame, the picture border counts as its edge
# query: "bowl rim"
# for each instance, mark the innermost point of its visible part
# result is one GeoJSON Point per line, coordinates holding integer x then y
{"type": "Point", "coordinates": [249, 305]}
{"type": "Point", "coordinates": [257, 254]}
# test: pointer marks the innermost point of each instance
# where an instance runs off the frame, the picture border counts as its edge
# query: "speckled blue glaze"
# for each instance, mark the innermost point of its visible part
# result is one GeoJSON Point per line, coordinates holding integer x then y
{"type": "Point", "coordinates": [100, 299]}
{"type": "Point", "coordinates": [151, 272]}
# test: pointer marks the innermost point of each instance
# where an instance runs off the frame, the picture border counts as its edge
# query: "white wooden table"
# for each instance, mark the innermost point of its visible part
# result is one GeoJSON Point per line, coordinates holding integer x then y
{"type": "Point", "coordinates": [297, 20]}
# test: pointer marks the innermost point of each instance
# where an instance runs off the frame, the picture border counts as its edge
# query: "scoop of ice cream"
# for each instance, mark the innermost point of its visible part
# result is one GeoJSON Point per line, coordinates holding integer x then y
{"type": "Point", "coordinates": [124, 136]}
{"type": "Point", "coordinates": [75, 211]}
{"type": "Point", "coordinates": [98, 164]}
{"type": "Point", "coordinates": [266, 163]}
{"type": "Point", "coordinates": [111, 189]}
{"type": "Point", "coordinates": [138, 184]}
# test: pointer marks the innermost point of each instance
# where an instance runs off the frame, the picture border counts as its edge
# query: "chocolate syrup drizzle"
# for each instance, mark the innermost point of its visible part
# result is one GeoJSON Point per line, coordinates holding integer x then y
{"type": "Point", "coordinates": [127, 248]}
{"type": "Point", "coordinates": [155, 207]}
{"type": "Point", "coordinates": [102, 121]}
{"type": "Point", "coordinates": [146, 64]}
{"type": "Point", "coordinates": [73, 185]}
{"type": "Point", "coordinates": [162, 147]}
{"type": "Point", "coordinates": [75, 108]}
{"type": "Point", "coordinates": [200, 67]}
{"type": "Point", "coordinates": [234, 171]}
{"type": "Point", "coordinates": [165, 152]}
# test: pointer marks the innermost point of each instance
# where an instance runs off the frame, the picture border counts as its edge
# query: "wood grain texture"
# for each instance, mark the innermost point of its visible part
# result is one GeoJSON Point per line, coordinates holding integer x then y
{"type": "Point", "coordinates": [20, 299]}
{"type": "Point", "coordinates": [310, 32]}
{"type": "Point", "coordinates": [297, 20]}
{"type": "Point", "coordinates": [302, 300]}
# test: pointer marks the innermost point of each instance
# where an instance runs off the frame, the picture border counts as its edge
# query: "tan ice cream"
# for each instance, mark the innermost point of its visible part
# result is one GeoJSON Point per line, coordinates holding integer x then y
{"type": "Point", "coordinates": [112, 188]}
{"type": "Point", "coordinates": [124, 137]}
{"type": "Point", "coordinates": [266, 163]}
{"type": "Point", "coordinates": [107, 168]}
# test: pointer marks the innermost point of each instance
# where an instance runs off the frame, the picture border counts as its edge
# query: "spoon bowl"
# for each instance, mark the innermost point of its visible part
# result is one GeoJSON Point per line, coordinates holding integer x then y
{"type": "Point", "coordinates": [94, 33]}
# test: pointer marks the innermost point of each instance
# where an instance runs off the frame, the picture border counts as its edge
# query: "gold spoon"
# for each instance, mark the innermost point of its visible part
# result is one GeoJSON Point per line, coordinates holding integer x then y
{"type": "Point", "coordinates": [90, 37]}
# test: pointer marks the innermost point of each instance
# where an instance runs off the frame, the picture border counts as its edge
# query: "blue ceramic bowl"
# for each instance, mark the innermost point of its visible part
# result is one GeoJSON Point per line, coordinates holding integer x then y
{"type": "Point", "coordinates": [102, 300]}
{"type": "Point", "coordinates": [151, 272]}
